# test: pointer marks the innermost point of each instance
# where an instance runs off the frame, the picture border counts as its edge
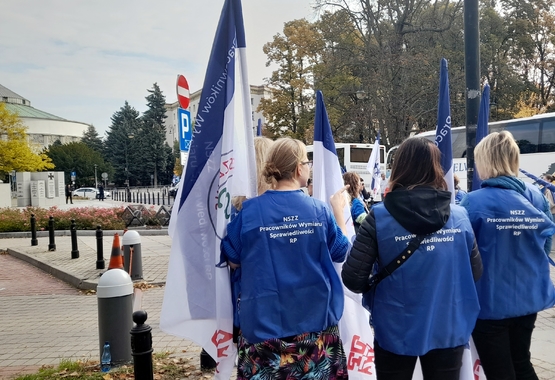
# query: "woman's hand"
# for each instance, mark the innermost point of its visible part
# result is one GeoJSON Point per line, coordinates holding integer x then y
{"type": "Point", "coordinates": [338, 202]}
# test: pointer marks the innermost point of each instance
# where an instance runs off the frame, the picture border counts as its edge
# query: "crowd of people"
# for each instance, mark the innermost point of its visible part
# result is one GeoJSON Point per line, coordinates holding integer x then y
{"type": "Point", "coordinates": [432, 274]}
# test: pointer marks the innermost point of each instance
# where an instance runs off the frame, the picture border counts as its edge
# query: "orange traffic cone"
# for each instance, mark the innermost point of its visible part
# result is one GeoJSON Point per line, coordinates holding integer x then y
{"type": "Point", "coordinates": [116, 258]}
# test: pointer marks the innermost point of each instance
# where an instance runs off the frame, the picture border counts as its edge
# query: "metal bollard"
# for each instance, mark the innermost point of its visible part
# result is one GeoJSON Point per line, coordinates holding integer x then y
{"type": "Point", "coordinates": [51, 242]}
{"type": "Point", "coordinates": [99, 249]}
{"type": "Point", "coordinates": [141, 347]}
{"type": "Point", "coordinates": [34, 240]}
{"type": "Point", "coordinates": [158, 199]}
{"type": "Point", "coordinates": [74, 249]}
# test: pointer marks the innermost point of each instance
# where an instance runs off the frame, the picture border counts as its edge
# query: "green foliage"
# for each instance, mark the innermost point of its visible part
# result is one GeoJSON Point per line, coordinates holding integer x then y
{"type": "Point", "coordinates": [121, 148]}
{"type": "Point", "coordinates": [86, 218]}
{"type": "Point", "coordinates": [151, 139]}
{"type": "Point", "coordinates": [91, 139]}
{"type": "Point", "coordinates": [80, 158]}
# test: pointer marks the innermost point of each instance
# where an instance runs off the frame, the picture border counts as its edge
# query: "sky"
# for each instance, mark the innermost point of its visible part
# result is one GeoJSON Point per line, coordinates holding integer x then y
{"type": "Point", "coordinates": [81, 59]}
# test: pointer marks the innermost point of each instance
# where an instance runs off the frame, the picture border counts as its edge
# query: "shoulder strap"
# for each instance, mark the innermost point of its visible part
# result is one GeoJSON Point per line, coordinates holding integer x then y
{"type": "Point", "coordinates": [413, 245]}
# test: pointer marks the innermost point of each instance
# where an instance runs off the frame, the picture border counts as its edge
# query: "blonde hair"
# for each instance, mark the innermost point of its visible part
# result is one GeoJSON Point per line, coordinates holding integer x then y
{"type": "Point", "coordinates": [261, 147]}
{"type": "Point", "coordinates": [497, 155]}
{"type": "Point", "coordinates": [283, 158]}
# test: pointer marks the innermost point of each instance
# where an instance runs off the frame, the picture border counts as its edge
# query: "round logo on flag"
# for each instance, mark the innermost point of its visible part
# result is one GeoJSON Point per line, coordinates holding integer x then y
{"type": "Point", "coordinates": [182, 92]}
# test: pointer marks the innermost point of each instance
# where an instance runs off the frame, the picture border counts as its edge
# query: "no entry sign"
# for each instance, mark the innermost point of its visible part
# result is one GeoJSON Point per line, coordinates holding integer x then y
{"type": "Point", "coordinates": [182, 92]}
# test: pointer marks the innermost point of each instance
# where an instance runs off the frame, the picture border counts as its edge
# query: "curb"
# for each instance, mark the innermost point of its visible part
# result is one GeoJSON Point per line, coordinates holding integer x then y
{"type": "Point", "coordinates": [56, 272]}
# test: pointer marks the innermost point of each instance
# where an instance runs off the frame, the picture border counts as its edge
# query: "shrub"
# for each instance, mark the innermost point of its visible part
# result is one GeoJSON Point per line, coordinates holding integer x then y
{"type": "Point", "coordinates": [86, 218]}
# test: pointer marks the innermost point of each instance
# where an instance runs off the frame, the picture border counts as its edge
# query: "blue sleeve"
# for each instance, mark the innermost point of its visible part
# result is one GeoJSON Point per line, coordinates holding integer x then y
{"type": "Point", "coordinates": [338, 244]}
{"type": "Point", "coordinates": [357, 208]}
{"type": "Point", "coordinates": [231, 246]}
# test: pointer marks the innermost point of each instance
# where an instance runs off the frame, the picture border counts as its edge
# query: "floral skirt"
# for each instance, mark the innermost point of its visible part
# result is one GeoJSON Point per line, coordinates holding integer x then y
{"type": "Point", "coordinates": [317, 355]}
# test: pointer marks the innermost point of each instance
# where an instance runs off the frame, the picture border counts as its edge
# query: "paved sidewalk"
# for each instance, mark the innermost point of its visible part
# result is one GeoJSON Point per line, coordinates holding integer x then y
{"type": "Point", "coordinates": [82, 273]}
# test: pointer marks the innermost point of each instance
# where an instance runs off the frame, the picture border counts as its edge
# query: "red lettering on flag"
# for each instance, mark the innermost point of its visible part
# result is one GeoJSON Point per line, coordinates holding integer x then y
{"type": "Point", "coordinates": [219, 338]}
{"type": "Point", "coordinates": [361, 357]}
{"type": "Point", "coordinates": [477, 369]}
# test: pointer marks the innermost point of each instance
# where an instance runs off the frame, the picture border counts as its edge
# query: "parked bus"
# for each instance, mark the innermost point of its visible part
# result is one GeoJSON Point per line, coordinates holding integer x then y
{"type": "Point", "coordinates": [354, 158]}
{"type": "Point", "coordinates": [534, 135]}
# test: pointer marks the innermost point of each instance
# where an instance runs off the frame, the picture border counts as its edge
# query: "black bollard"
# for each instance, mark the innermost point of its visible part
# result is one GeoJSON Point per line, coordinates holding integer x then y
{"type": "Point", "coordinates": [34, 240]}
{"type": "Point", "coordinates": [74, 249]}
{"type": "Point", "coordinates": [51, 242]}
{"type": "Point", "coordinates": [158, 199]}
{"type": "Point", "coordinates": [99, 249]}
{"type": "Point", "coordinates": [148, 198]}
{"type": "Point", "coordinates": [141, 347]}
{"type": "Point", "coordinates": [206, 361]}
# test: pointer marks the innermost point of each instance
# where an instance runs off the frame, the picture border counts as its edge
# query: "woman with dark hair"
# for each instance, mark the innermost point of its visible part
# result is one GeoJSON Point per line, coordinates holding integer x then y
{"type": "Point", "coordinates": [512, 222]}
{"type": "Point", "coordinates": [425, 307]}
{"type": "Point", "coordinates": [291, 295]}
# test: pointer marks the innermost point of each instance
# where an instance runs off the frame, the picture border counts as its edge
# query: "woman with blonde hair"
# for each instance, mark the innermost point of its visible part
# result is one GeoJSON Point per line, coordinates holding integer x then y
{"type": "Point", "coordinates": [358, 208]}
{"type": "Point", "coordinates": [291, 296]}
{"type": "Point", "coordinates": [512, 223]}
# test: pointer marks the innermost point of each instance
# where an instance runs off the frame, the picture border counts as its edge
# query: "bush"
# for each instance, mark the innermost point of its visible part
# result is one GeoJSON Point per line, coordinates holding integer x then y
{"type": "Point", "coordinates": [86, 218]}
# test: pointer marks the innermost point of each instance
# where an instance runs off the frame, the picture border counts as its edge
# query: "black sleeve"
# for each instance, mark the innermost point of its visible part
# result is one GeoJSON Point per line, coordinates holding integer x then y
{"type": "Point", "coordinates": [476, 262]}
{"type": "Point", "coordinates": [365, 194]}
{"type": "Point", "coordinates": [358, 266]}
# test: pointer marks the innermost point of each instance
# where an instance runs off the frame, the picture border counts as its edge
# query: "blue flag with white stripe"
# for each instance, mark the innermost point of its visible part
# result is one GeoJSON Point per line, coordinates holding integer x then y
{"type": "Point", "coordinates": [354, 329]}
{"type": "Point", "coordinates": [221, 165]}
{"type": "Point", "coordinates": [482, 130]}
{"type": "Point", "coordinates": [443, 129]}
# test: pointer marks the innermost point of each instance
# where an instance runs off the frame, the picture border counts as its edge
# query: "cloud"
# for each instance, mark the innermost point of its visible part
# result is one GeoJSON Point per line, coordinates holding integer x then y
{"type": "Point", "coordinates": [81, 60]}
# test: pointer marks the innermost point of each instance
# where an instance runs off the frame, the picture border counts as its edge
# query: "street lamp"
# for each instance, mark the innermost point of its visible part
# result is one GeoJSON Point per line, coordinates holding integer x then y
{"type": "Point", "coordinates": [95, 180]}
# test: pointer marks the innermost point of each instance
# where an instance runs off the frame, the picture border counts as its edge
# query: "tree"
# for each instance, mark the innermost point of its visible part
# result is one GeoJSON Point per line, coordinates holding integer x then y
{"type": "Point", "coordinates": [91, 139]}
{"type": "Point", "coordinates": [78, 157]}
{"type": "Point", "coordinates": [152, 138]}
{"type": "Point", "coordinates": [121, 148]}
{"type": "Point", "coordinates": [15, 152]}
{"type": "Point", "coordinates": [289, 112]}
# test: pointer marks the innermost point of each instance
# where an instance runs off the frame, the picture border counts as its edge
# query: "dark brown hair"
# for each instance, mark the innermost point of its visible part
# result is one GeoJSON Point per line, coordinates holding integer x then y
{"type": "Point", "coordinates": [417, 163]}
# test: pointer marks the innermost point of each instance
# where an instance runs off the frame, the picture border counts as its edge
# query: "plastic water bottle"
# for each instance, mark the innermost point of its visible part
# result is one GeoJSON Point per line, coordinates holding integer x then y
{"type": "Point", "coordinates": [106, 361]}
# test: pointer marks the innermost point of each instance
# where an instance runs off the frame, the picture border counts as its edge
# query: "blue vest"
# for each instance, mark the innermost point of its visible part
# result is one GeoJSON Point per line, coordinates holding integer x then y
{"type": "Point", "coordinates": [289, 284]}
{"type": "Point", "coordinates": [511, 233]}
{"type": "Point", "coordinates": [429, 302]}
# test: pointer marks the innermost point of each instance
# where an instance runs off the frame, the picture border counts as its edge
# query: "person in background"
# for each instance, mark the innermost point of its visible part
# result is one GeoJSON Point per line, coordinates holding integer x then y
{"type": "Point", "coordinates": [384, 183]}
{"type": "Point", "coordinates": [428, 306]}
{"type": "Point", "coordinates": [69, 193]}
{"type": "Point", "coordinates": [512, 223]}
{"type": "Point", "coordinates": [358, 208]}
{"type": "Point", "coordinates": [365, 195]}
{"type": "Point", "coordinates": [291, 295]}
{"type": "Point", "coordinates": [101, 193]}
{"type": "Point", "coordinates": [459, 193]}
{"type": "Point", "coordinates": [309, 187]}
{"type": "Point", "coordinates": [549, 194]}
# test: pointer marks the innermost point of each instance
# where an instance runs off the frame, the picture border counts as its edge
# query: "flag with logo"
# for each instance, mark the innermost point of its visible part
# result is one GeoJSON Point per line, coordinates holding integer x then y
{"type": "Point", "coordinates": [197, 299]}
{"type": "Point", "coordinates": [443, 130]}
{"type": "Point", "coordinates": [354, 326]}
{"type": "Point", "coordinates": [482, 130]}
{"type": "Point", "coordinates": [373, 166]}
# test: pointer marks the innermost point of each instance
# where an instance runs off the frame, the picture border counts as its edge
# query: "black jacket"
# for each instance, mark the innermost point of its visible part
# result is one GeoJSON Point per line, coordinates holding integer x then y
{"type": "Point", "coordinates": [421, 211]}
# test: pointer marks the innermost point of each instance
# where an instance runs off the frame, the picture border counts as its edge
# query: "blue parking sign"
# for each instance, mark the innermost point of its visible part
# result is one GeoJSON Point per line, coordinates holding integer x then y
{"type": "Point", "coordinates": [185, 129]}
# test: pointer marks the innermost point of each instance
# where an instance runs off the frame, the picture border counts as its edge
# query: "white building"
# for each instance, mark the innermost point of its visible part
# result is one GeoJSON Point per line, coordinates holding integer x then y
{"type": "Point", "coordinates": [43, 128]}
{"type": "Point", "coordinates": [172, 131]}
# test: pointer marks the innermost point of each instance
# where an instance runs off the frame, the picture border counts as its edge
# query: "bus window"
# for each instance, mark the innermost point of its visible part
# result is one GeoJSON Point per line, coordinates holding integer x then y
{"type": "Point", "coordinates": [458, 141]}
{"type": "Point", "coordinates": [310, 156]}
{"type": "Point", "coordinates": [548, 137]}
{"type": "Point", "coordinates": [527, 135]}
{"type": "Point", "coordinates": [361, 154]}
{"type": "Point", "coordinates": [341, 156]}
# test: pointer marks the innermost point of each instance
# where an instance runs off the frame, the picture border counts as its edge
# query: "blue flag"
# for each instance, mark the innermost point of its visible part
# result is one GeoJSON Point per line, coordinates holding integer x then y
{"type": "Point", "coordinates": [443, 130]}
{"type": "Point", "coordinates": [197, 299]}
{"type": "Point", "coordinates": [482, 130]}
